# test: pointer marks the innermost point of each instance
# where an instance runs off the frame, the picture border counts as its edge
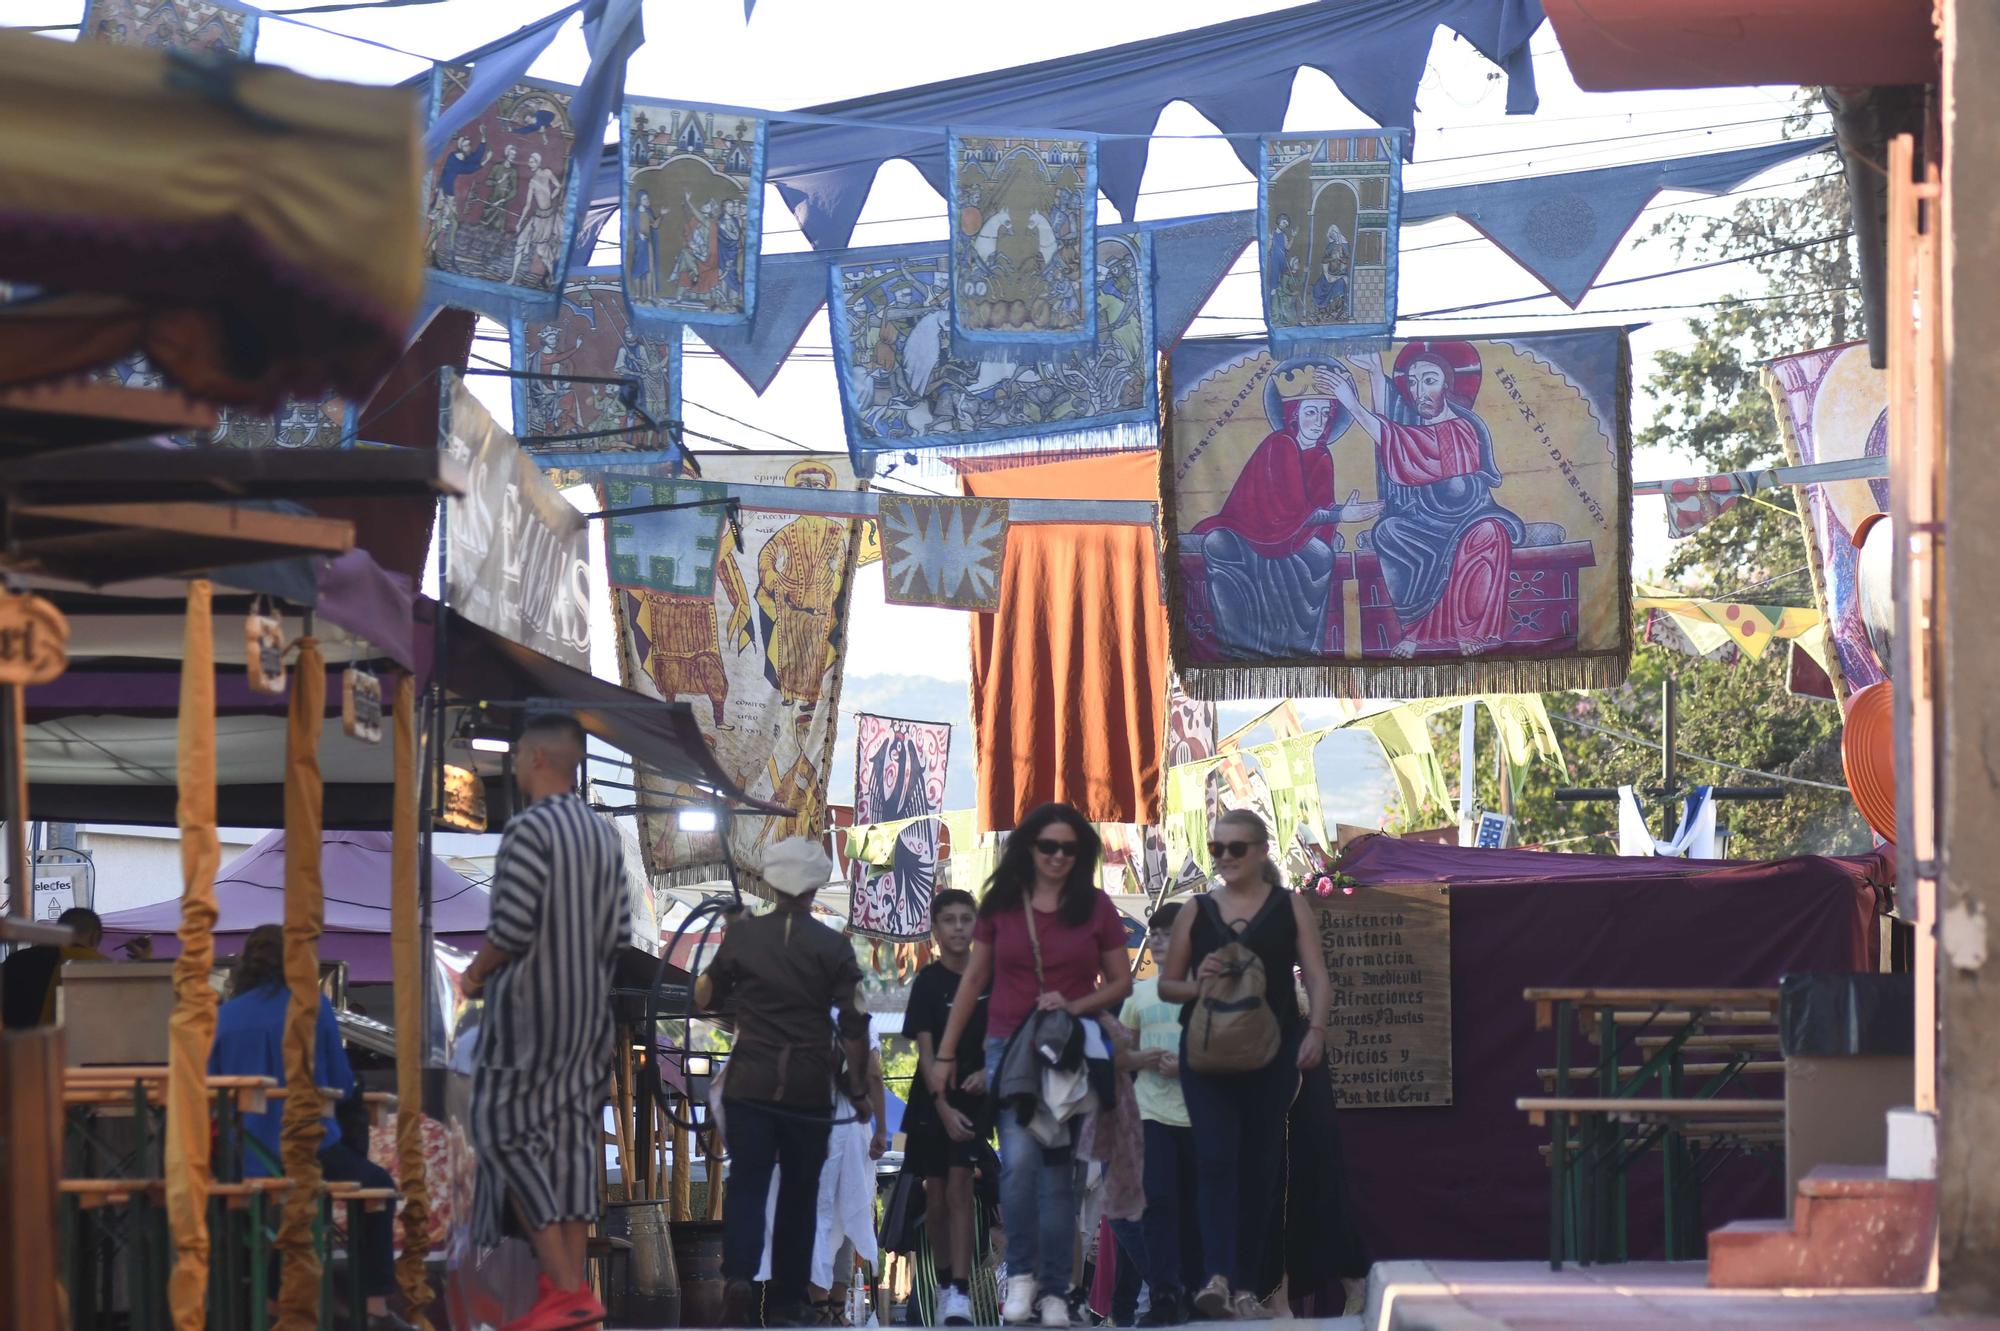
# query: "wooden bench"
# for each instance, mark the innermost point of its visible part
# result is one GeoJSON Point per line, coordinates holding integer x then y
{"type": "Point", "coordinates": [1628, 1070]}
{"type": "Point", "coordinates": [92, 1193]}
{"type": "Point", "coordinates": [1685, 1001]}
{"type": "Point", "coordinates": [1755, 1042]}
{"type": "Point", "coordinates": [1640, 1110]}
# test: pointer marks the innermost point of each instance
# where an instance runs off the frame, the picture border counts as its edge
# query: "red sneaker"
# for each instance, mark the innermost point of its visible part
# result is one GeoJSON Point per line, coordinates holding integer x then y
{"type": "Point", "coordinates": [559, 1310]}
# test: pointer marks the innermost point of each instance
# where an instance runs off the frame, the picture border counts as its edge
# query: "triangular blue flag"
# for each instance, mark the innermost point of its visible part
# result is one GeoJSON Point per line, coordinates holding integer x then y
{"type": "Point", "coordinates": [1564, 228]}
{"type": "Point", "coordinates": [790, 290]}
{"type": "Point", "coordinates": [1190, 259]}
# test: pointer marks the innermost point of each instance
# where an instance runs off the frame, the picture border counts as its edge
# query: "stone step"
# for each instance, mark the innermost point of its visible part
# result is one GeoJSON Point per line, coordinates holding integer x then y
{"type": "Point", "coordinates": [1853, 1228]}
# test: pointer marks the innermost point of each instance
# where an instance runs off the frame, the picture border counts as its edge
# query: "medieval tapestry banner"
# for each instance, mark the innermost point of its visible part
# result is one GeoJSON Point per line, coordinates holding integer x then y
{"type": "Point", "coordinates": [1832, 405]}
{"type": "Point", "coordinates": [590, 335]}
{"type": "Point", "coordinates": [503, 207]}
{"type": "Point", "coordinates": [216, 27]}
{"type": "Point", "coordinates": [943, 552]}
{"type": "Point", "coordinates": [758, 652]}
{"type": "Point", "coordinates": [1024, 215]}
{"type": "Point", "coordinates": [904, 385]}
{"type": "Point", "coordinates": [328, 422]}
{"type": "Point", "coordinates": [1327, 218]}
{"type": "Point", "coordinates": [899, 773]}
{"type": "Point", "coordinates": [1439, 518]}
{"type": "Point", "coordinates": [693, 209]}
{"type": "Point", "coordinates": [518, 558]}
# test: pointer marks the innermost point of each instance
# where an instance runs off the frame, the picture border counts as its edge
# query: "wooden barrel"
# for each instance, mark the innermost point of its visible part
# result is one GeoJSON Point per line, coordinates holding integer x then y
{"type": "Point", "coordinates": [645, 1288]}
{"type": "Point", "coordinates": [697, 1255]}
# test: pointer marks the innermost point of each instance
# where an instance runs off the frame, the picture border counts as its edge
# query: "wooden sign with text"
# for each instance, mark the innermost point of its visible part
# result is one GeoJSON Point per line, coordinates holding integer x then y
{"type": "Point", "coordinates": [34, 637]}
{"type": "Point", "coordinates": [1388, 955]}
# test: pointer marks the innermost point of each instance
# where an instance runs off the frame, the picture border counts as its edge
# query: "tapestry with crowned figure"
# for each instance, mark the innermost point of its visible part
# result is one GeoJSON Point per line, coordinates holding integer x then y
{"type": "Point", "coordinates": [1436, 518]}
{"type": "Point", "coordinates": [906, 382]}
{"type": "Point", "coordinates": [502, 205]}
{"type": "Point", "coordinates": [899, 773]}
{"type": "Point", "coordinates": [754, 641]}
{"type": "Point", "coordinates": [1327, 218]}
{"type": "Point", "coordinates": [693, 210]}
{"type": "Point", "coordinates": [565, 416]}
{"type": "Point", "coordinates": [213, 27]}
{"type": "Point", "coordinates": [1833, 406]}
{"type": "Point", "coordinates": [1024, 216]}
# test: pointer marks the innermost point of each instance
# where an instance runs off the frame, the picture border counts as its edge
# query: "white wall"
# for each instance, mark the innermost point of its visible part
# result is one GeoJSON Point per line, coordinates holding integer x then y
{"type": "Point", "coordinates": [136, 866]}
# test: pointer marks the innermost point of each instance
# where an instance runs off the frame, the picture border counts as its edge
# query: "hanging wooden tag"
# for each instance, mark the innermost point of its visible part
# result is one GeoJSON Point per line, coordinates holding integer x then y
{"type": "Point", "coordinates": [264, 650]}
{"type": "Point", "coordinates": [361, 704]}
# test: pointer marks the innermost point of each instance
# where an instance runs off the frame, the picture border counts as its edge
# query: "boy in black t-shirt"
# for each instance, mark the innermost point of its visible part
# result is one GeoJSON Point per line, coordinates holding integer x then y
{"type": "Point", "coordinates": [944, 1132]}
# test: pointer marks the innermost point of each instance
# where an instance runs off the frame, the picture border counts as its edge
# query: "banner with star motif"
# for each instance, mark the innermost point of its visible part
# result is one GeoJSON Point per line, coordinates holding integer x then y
{"type": "Point", "coordinates": [1328, 210]}
{"type": "Point", "coordinates": [943, 552]}
{"type": "Point", "coordinates": [900, 768]}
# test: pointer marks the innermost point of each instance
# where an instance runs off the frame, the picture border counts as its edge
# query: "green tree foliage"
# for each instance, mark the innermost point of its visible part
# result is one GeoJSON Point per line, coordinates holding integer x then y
{"type": "Point", "coordinates": [1709, 402]}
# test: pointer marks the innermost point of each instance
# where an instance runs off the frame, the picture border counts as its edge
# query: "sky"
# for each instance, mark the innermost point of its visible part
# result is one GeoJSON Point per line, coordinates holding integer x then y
{"type": "Point", "coordinates": [800, 52]}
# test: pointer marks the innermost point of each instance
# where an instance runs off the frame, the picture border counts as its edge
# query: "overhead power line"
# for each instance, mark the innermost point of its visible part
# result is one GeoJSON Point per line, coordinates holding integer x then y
{"type": "Point", "coordinates": [1631, 738]}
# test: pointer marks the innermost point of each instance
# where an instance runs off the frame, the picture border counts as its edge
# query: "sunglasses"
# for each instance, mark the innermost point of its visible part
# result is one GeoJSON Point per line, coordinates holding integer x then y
{"type": "Point", "coordinates": [1049, 847]}
{"type": "Point", "coordinates": [1233, 850]}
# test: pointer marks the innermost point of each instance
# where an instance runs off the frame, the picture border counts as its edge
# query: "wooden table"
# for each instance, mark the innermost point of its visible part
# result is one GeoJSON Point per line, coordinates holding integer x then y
{"type": "Point", "coordinates": [1641, 1081]}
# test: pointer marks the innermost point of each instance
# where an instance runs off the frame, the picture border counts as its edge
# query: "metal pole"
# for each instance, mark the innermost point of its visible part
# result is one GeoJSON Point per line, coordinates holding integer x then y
{"type": "Point", "coordinates": [1467, 776]}
{"type": "Point", "coordinates": [20, 887]}
{"type": "Point", "coordinates": [1670, 817]}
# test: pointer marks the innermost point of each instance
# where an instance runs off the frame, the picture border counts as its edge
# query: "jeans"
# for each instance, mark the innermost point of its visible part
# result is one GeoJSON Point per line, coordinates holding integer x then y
{"type": "Point", "coordinates": [1037, 1197]}
{"type": "Point", "coordinates": [1239, 1148]}
{"type": "Point", "coordinates": [794, 1139]}
{"type": "Point", "coordinates": [374, 1246]}
{"type": "Point", "coordinates": [1130, 1238]}
{"type": "Point", "coordinates": [1173, 1232]}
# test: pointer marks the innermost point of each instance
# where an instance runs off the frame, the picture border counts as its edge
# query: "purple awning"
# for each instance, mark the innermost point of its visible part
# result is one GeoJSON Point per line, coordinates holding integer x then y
{"type": "Point", "coordinates": [250, 891]}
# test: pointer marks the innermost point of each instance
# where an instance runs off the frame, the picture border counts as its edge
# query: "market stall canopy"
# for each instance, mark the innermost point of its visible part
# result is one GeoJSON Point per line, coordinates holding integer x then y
{"type": "Point", "coordinates": [254, 232]}
{"type": "Point", "coordinates": [250, 890]}
{"type": "Point", "coordinates": [101, 739]}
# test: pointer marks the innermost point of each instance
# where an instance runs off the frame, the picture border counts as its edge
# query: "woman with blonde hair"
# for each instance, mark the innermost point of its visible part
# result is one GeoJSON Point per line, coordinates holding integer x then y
{"type": "Point", "coordinates": [1239, 1118]}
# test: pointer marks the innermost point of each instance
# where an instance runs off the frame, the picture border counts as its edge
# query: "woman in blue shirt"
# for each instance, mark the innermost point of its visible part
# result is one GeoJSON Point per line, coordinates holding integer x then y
{"type": "Point", "coordinates": [250, 1041]}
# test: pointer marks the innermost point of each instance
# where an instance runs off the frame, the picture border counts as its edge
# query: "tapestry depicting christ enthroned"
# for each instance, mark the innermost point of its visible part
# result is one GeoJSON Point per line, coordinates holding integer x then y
{"type": "Point", "coordinates": [1436, 518]}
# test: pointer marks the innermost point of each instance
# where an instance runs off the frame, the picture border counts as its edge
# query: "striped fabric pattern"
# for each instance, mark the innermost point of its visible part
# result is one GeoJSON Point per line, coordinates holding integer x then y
{"type": "Point", "coordinates": [560, 909]}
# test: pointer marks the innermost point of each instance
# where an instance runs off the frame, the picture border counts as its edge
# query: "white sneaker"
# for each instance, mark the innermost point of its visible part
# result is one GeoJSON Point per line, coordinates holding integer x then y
{"type": "Point", "coordinates": [1019, 1307]}
{"type": "Point", "coordinates": [954, 1307]}
{"type": "Point", "coordinates": [1055, 1310]}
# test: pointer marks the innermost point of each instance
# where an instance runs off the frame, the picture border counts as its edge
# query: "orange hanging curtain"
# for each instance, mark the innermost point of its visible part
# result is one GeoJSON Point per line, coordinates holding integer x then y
{"type": "Point", "coordinates": [408, 961]}
{"type": "Point", "coordinates": [191, 1028]}
{"type": "Point", "coordinates": [305, 908]}
{"type": "Point", "coordinates": [1069, 676]}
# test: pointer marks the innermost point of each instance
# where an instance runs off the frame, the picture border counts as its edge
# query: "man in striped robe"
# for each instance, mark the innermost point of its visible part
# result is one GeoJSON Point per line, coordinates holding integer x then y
{"type": "Point", "coordinates": [560, 912]}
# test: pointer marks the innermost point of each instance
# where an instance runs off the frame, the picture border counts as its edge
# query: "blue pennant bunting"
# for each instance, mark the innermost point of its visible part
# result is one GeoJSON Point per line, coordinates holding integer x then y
{"type": "Point", "coordinates": [790, 290]}
{"type": "Point", "coordinates": [1238, 74]}
{"type": "Point", "coordinates": [1190, 259]}
{"type": "Point", "coordinates": [1564, 228]}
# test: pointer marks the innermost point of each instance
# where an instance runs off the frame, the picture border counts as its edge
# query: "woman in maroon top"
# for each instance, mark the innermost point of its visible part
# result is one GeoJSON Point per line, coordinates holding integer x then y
{"type": "Point", "coordinates": [1049, 866]}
